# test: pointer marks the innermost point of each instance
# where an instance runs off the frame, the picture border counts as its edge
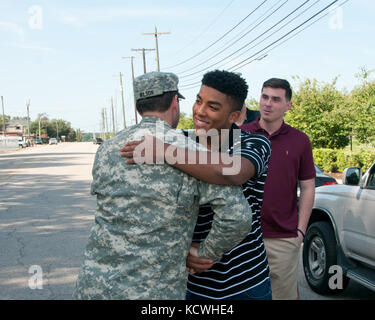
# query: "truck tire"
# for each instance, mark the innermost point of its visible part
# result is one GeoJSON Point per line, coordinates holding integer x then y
{"type": "Point", "coordinates": [319, 254]}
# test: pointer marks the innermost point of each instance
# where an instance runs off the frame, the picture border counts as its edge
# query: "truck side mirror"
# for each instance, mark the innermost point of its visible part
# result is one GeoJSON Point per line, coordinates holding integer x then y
{"type": "Point", "coordinates": [352, 176]}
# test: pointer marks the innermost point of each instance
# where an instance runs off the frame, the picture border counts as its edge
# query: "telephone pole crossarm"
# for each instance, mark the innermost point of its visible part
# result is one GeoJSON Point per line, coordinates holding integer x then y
{"type": "Point", "coordinates": [156, 34]}
{"type": "Point", "coordinates": [143, 56]}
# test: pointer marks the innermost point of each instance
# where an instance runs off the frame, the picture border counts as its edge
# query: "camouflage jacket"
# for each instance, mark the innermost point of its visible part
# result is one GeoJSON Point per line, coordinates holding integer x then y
{"type": "Point", "coordinates": [145, 221]}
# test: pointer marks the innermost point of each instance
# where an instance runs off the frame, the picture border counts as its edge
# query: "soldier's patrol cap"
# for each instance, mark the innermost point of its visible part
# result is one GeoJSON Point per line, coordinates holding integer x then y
{"type": "Point", "coordinates": [155, 84]}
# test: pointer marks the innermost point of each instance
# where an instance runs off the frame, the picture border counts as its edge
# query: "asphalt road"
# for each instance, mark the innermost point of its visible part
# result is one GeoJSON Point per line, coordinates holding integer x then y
{"type": "Point", "coordinates": [46, 212]}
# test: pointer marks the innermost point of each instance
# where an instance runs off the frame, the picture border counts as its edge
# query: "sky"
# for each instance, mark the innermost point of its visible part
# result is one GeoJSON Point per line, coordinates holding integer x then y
{"type": "Point", "coordinates": [66, 56]}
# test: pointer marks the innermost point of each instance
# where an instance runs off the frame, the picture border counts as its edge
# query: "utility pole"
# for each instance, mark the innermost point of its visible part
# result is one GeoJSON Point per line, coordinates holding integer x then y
{"type": "Point", "coordinates": [4, 127]}
{"type": "Point", "coordinates": [106, 121]}
{"type": "Point", "coordinates": [132, 66]}
{"type": "Point", "coordinates": [28, 120]}
{"type": "Point", "coordinates": [113, 117]}
{"type": "Point", "coordinates": [156, 33]}
{"type": "Point", "coordinates": [40, 115]}
{"type": "Point", "coordinates": [103, 124]}
{"type": "Point", "coordinates": [143, 56]}
{"type": "Point", "coordinates": [122, 100]}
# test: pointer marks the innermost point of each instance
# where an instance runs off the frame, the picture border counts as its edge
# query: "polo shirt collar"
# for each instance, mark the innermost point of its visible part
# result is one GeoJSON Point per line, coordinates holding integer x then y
{"type": "Point", "coordinates": [284, 129]}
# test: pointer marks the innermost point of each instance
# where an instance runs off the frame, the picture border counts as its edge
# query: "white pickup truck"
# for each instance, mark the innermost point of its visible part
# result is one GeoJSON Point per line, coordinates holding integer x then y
{"type": "Point", "coordinates": [341, 233]}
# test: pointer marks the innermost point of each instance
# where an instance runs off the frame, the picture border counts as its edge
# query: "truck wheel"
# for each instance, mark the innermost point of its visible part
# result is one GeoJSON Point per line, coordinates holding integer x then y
{"type": "Point", "coordinates": [319, 254]}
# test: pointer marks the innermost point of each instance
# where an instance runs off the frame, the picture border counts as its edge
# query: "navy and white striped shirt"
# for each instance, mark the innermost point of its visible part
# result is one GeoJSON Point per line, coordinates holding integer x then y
{"type": "Point", "coordinates": [245, 266]}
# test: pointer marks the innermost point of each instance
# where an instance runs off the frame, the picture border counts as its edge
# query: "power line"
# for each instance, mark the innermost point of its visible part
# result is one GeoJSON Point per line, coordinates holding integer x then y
{"type": "Point", "coordinates": [246, 45]}
{"type": "Point", "coordinates": [294, 35]}
{"type": "Point", "coordinates": [303, 23]}
{"type": "Point", "coordinates": [216, 54]}
{"type": "Point", "coordinates": [282, 27]}
{"type": "Point", "coordinates": [258, 54]}
{"type": "Point", "coordinates": [195, 84]}
{"type": "Point", "coordinates": [246, 29]}
{"type": "Point", "coordinates": [206, 28]}
{"type": "Point", "coordinates": [225, 34]}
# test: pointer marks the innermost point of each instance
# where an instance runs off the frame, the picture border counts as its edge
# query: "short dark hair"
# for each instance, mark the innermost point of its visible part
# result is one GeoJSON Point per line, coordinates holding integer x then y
{"type": "Point", "coordinates": [229, 83]}
{"type": "Point", "coordinates": [277, 83]}
{"type": "Point", "coordinates": [159, 103]}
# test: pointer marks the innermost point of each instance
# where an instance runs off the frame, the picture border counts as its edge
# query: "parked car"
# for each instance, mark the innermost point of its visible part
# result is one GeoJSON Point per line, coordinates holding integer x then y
{"type": "Point", "coordinates": [38, 141]}
{"type": "Point", "coordinates": [97, 140]}
{"type": "Point", "coordinates": [341, 233]}
{"type": "Point", "coordinates": [21, 142]}
{"type": "Point", "coordinates": [52, 141]}
{"type": "Point", "coordinates": [322, 179]}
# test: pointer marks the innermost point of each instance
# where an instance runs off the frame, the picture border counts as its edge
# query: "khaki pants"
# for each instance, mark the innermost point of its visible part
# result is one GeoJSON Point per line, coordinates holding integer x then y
{"type": "Point", "coordinates": [283, 256]}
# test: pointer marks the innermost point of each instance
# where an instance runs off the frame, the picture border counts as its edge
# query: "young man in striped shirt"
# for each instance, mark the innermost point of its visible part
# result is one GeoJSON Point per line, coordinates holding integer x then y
{"type": "Point", "coordinates": [243, 272]}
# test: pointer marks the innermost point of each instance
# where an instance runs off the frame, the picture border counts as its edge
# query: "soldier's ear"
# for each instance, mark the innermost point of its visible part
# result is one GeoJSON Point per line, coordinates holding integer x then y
{"type": "Point", "coordinates": [174, 104]}
{"type": "Point", "coordinates": [175, 101]}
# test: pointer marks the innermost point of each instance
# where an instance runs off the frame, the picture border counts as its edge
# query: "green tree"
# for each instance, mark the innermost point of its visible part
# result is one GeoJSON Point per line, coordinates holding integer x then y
{"type": "Point", "coordinates": [34, 125]}
{"type": "Point", "coordinates": [78, 134]}
{"type": "Point", "coordinates": [321, 111]}
{"type": "Point", "coordinates": [186, 122]}
{"type": "Point", "coordinates": [252, 104]}
{"type": "Point", "coordinates": [63, 127]}
{"type": "Point", "coordinates": [50, 127]}
{"type": "Point", "coordinates": [7, 118]}
{"type": "Point", "coordinates": [362, 107]}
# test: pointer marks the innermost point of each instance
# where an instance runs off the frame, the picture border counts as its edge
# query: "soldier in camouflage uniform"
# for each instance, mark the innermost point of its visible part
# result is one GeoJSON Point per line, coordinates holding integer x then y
{"type": "Point", "coordinates": [146, 213]}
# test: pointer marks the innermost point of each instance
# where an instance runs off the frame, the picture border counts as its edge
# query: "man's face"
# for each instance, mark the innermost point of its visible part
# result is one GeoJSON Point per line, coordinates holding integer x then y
{"type": "Point", "coordinates": [213, 110]}
{"type": "Point", "coordinates": [273, 104]}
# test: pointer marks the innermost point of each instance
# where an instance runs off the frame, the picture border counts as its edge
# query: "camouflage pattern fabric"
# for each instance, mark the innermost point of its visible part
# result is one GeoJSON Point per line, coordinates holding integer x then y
{"type": "Point", "coordinates": [145, 221]}
{"type": "Point", "coordinates": [154, 84]}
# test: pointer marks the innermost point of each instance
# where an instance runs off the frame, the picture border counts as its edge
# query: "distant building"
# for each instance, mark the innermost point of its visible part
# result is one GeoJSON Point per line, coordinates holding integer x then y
{"type": "Point", "coordinates": [16, 127]}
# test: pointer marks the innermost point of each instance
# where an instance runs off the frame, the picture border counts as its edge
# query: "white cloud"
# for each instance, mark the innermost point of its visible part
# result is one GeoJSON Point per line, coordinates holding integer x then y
{"type": "Point", "coordinates": [70, 19]}
{"type": "Point", "coordinates": [30, 47]}
{"type": "Point", "coordinates": [119, 12]}
{"type": "Point", "coordinates": [81, 17]}
{"type": "Point", "coordinates": [12, 27]}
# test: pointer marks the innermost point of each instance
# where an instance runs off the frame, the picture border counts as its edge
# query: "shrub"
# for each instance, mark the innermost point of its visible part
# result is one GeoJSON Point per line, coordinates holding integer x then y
{"type": "Point", "coordinates": [333, 160]}
{"type": "Point", "coordinates": [348, 159]}
{"type": "Point", "coordinates": [325, 159]}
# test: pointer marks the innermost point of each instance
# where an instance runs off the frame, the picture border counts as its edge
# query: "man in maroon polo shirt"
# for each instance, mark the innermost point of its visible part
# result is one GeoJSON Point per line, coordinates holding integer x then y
{"type": "Point", "coordinates": [283, 225]}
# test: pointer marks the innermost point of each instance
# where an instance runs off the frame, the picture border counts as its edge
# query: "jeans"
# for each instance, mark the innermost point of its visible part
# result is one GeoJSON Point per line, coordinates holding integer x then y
{"type": "Point", "coordinates": [261, 292]}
